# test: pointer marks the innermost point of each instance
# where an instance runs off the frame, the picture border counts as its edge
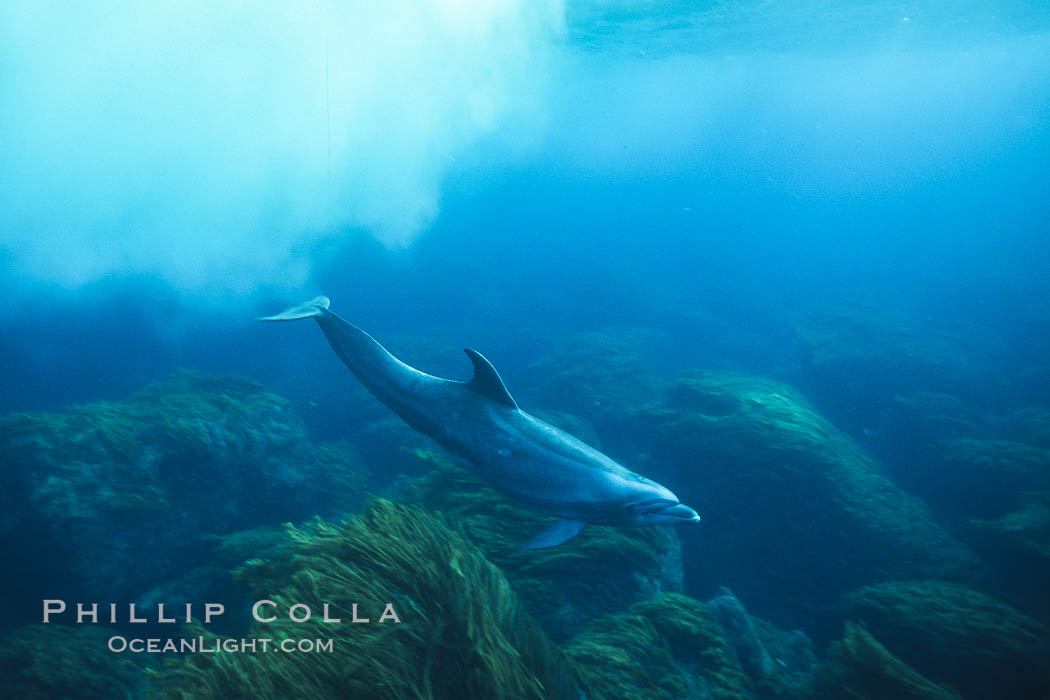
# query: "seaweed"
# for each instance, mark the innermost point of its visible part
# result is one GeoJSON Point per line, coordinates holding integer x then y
{"type": "Point", "coordinates": [87, 493]}
{"type": "Point", "coordinates": [959, 636]}
{"type": "Point", "coordinates": [860, 668]}
{"type": "Point", "coordinates": [783, 486]}
{"type": "Point", "coordinates": [663, 648]}
{"type": "Point", "coordinates": [462, 631]}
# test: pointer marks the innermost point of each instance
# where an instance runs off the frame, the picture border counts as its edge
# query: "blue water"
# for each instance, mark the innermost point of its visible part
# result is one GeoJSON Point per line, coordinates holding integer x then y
{"type": "Point", "coordinates": [506, 177]}
{"type": "Point", "coordinates": [654, 166]}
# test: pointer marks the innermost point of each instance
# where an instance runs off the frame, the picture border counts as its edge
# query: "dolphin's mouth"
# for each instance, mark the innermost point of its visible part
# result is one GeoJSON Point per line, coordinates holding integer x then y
{"type": "Point", "coordinates": [672, 510]}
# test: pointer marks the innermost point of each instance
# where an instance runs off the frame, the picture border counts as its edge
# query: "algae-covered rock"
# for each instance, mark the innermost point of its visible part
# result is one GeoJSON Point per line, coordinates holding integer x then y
{"type": "Point", "coordinates": [462, 632]}
{"type": "Point", "coordinates": [663, 648]}
{"type": "Point", "coordinates": [970, 477]}
{"type": "Point", "coordinates": [1023, 534]}
{"type": "Point", "coordinates": [795, 512]}
{"type": "Point", "coordinates": [601, 375]}
{"type": "Point", "coordinates": [1029, 425]}
{"type": "Point", "coordinates": [856, 358]}
{"type": "Point", "coordinates": [602, 570]}
{"type": "Point", "coordinates": [388, 447]}
{"type": "Point", "coordinates": [45, 662]}
{"type": "Point", "coordinates": [794, 661]}
{"type": "Point", "coordinates": [742, 634]}
{"type": "Point", "coordinates": [964, 462]}
{"type": "Point", "coordinates": [105, 500]}
{"type": "Point", "coordinates": [923, 418]}
{"type": "Point", "coordinates": [984, 478]}
{"type": "Point", "coordinates": [859, 668]}
{"type": "Point", "coordinates": [781, 663]}
{"type": "Point", "coordinates": [1032, 385]}
{"type": "Point", "coordinates": [955, 635]}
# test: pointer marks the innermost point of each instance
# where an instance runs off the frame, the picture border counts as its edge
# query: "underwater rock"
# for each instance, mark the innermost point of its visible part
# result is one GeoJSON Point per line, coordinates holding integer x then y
{"type": "Point", "coordinates": [107, 500]}
{"type": "Point", "coordinates": [462, 632]}
{"type": "Point", "coordinates": [781, 663]}
{"type": "Point", "coordinates": [214, 581]}
{"type": "Point", "coordinates": [1025, 531]}
{"type": "Point", "coordinates": [915, 425]}
{"type": "Point", "coordinates": [44, 662]}
{"type": "Point", "coordinates": [859, 668]}
{"type": "Point", "coordinates": [856, 358]}
{"type": "Point", "coordinates": [1028, 425]}
{"type": "Point", "coordinates": [957, 636]}
{"type": "Point", "coordinates": [1032, 385]}
{"type": "Point", "coordinates": [794, 661]}
{"type": "Point", "coordinates": [1018, 544]}
{"type": "Point", "coordinates": [387, 447]}
{"type": "Point", "coordinates": [969, 477]}
{"type": "Point", "coordinates": [664, 648]}
{"type": "Point", "coordinates": [603, 570]}
{"type": "Point", "coordinates": [795, 512]}
{"type": "Point", "coordinates": [234, 549]}
{"type": "Point", "coordinates": [601, 376]}
{"type": "Point", "coordinates": [963, 462]}
{"type": "Point", "coordinates": [984, 478]}
{"type": "Point", "coordinates": [742, 635]}
{"type": "Point", "coordinates": [927, 417]}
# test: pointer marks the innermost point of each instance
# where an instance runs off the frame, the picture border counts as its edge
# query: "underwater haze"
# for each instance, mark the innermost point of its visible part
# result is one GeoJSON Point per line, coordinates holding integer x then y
{"type": "Point", "coordinates": [790, 260]}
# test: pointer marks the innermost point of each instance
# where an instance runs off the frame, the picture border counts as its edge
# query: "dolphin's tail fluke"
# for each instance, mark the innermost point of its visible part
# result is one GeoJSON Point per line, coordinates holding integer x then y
{"type": "Point", "coordinates": [314, 307]}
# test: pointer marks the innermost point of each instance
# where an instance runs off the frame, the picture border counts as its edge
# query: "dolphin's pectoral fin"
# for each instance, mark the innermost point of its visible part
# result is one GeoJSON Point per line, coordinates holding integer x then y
{"type": "Point", "coordinates": [487, 381]}
{"type": "Point", "coordinates": [558, 532]}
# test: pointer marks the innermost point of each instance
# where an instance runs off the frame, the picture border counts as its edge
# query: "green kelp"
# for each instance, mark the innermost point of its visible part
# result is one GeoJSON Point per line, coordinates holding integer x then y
{"type": "Point", "coordinates": [44, 662]}
{"type": "Point", "coordinates": [859, 668]}
{"type": "Point", "coordinates": [954, 635]}
{"type": "Point", "coordinates": [798, 507]}
{"type": "Point", "coordinates": [462, 634]}
{"type": "Point", "coordinates": [664, 648]}
{"type": "Point", "coordinates": [105, 500]}
{"type": "Point", "coordinates": [602, 570]}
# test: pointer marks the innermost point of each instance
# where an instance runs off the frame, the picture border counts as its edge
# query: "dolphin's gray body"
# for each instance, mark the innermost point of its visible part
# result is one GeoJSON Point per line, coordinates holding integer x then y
{"type": "Point", "coordinates": [538, 464]}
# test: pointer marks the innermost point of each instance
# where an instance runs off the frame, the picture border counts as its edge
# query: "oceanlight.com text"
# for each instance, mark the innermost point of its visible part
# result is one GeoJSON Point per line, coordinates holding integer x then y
{"type": "Point", "coordinates": [201, 645]}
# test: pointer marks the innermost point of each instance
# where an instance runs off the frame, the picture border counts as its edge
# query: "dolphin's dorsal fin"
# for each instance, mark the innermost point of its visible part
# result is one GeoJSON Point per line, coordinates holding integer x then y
{"type": "Point", "coordinates": [487, 381]}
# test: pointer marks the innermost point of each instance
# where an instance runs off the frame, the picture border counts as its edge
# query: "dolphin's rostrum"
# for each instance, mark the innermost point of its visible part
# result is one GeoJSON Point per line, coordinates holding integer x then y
{"type": "Point", "coordinates": [544, 467]}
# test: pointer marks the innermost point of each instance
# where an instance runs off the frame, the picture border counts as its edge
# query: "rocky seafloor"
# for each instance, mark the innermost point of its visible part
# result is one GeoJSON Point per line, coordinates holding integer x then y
{"type": "Point", "coordinates": [876, 525]}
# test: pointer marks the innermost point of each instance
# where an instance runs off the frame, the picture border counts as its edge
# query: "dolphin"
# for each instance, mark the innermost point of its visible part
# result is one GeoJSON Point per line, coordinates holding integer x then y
{"type": "Point", "coordinates": [543, 467]}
